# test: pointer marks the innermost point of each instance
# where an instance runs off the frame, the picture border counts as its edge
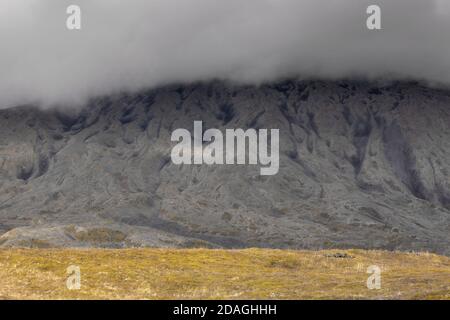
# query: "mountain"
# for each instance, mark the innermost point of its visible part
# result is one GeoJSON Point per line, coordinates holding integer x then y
{"type": "Point", "coordinates": [362, 165]}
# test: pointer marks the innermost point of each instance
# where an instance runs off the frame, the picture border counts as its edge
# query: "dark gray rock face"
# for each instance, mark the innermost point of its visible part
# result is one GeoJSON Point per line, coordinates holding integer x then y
{"type": "Point", "coordinates": [361, 166]}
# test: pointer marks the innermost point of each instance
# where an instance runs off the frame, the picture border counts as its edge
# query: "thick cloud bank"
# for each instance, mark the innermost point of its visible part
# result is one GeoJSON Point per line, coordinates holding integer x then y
{"type": "Point", "coordinates": [127, 45]}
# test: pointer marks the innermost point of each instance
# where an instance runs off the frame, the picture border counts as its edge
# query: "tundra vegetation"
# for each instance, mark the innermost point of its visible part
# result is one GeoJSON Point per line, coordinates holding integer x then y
{"type": "Point", "coordinates": [221, 274]}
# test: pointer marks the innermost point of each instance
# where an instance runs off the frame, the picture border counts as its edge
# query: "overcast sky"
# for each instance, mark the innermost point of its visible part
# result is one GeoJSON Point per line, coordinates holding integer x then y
{"type": "Point", "coordinates": [132, 44]}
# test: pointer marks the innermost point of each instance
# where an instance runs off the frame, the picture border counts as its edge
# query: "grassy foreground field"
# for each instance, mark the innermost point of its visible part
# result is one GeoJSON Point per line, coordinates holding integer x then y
{"type": "Point", "coordinates": [221, 274]}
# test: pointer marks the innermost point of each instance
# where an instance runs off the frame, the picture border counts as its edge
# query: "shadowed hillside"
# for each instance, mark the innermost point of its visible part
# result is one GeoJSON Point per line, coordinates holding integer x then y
{"type": "Point", "coordinates": [361, 165]}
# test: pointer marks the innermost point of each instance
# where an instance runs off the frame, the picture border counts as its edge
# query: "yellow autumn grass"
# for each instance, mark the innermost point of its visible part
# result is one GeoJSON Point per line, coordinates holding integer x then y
{"type": "Point", "coordinates": [221, 274]}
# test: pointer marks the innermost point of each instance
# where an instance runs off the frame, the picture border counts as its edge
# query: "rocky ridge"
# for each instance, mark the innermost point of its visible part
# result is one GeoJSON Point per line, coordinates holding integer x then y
{"type": "Point", "coordinates": [362, 165]}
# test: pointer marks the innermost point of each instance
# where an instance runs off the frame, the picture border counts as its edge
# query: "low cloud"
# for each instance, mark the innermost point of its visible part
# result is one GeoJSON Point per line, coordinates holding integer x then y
{"type": "Point", "coordinates": [133, 44]}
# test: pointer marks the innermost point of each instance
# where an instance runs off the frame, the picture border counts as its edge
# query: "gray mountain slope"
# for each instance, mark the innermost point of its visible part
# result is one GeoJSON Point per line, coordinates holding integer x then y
{"type": "Point", "coordinates": [360, 166]}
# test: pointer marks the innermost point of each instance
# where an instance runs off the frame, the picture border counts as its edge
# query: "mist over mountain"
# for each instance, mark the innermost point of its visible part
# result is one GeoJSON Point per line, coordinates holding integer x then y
{"type": "Point", "coordinates": [361, 165]}
{"type": "Point", "coordinates": [137, 44]}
